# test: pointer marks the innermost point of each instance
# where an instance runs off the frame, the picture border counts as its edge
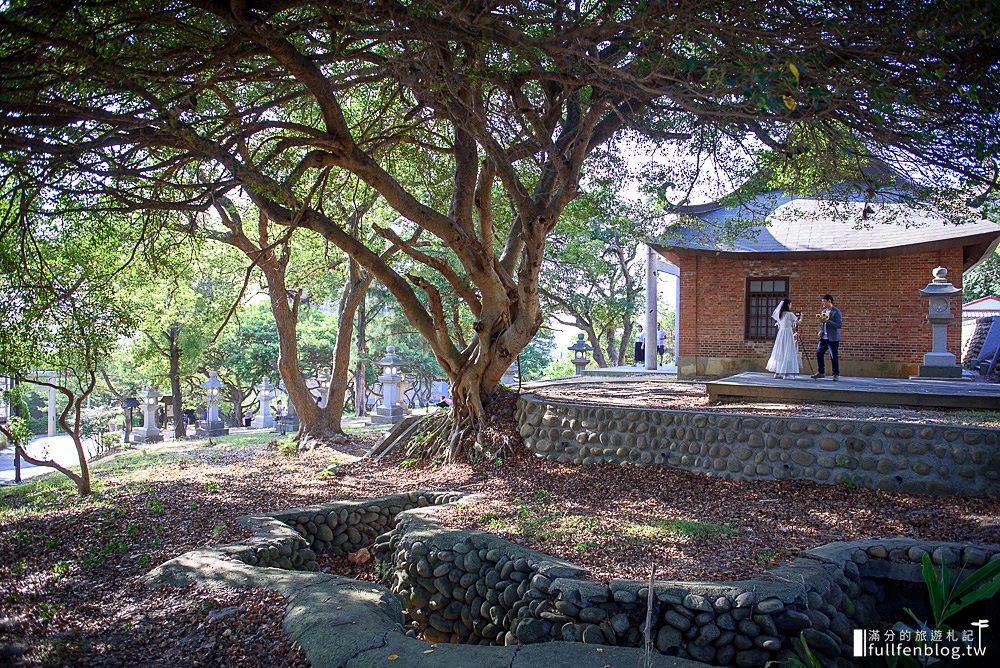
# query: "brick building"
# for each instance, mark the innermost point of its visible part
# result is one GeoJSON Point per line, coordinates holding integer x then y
{"type": "Point", "coordinates": [874, 260]}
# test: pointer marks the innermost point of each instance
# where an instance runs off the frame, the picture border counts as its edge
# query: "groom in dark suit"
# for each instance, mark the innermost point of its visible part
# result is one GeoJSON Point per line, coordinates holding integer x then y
{"type": "Point", "coordinates": [830, 323]}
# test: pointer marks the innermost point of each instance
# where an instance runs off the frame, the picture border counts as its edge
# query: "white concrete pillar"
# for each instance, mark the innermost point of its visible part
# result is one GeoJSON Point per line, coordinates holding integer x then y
{"type": "Point", "coordinates": [52, 411]}
{"type": "Point", "coordinates": [651, 327]}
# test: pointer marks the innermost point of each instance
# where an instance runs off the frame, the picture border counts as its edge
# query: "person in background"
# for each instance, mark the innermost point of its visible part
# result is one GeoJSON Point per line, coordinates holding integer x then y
{"type": "Point", "coordinates": [661, 342]}
{"type": "Point", "coordinates": [247, 418]}
{"type": "Point", "coordinates": [443, 403]}
{"type": "Point", "coordinates": [640, 346]}
{"type": "Point", "coordinates": [279, 411]}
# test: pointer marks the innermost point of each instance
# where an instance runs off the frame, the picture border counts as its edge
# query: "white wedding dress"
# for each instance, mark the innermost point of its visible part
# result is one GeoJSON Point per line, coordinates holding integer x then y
{"type": "Point", "coordinates": [785, 355]}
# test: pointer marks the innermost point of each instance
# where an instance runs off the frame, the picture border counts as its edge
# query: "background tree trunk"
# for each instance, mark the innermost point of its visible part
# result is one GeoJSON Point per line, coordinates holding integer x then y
{"type": "Point", "coordinates": [174, 357]}
{"type": "Point", "coordinates": [236, 398]}
{"type": "Point", "coordinates": [351, 298]}
{"type": "Point", "coordinates": [595, 342]}
{"type": "Point", "coordinates": [626, 345]}
{"type": "Point", "coordinates": [311, 418]}
{"type": "Point", "coordinates": [360, 381]}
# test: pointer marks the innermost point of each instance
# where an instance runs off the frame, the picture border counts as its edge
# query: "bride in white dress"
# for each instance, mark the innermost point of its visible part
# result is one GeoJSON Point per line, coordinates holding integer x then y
{"type": "Point", "coordinates": [785, 355]}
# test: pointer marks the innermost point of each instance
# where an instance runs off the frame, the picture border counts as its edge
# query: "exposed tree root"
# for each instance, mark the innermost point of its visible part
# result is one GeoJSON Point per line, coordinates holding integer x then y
{"type": "Point", "coordinates": [310, 440]}
{"type": "Point", "coordinates": [456, 436]}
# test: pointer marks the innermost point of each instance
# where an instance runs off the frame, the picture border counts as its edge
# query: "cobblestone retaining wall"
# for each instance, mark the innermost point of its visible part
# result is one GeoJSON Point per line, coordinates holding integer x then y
{"type": "Point", "coordinates": [339, 622]}
{"type": "Point", "coordinates": [475, 588]}
{"type": "Point", "coordinates": [466, 587]}
{"type": "Point", "coordinates": [914, 458]}
{"type": "Point", "coordinates": [292, 538]}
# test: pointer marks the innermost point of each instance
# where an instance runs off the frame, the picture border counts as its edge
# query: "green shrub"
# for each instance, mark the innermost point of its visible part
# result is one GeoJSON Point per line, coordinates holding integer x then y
{"type": "Point", "coordinates": [288, 446]}
{"type": "Point", "coordinates": [94, 422]}
{"type": "Point", "coordinates": [17, 431]}
{"type": "Point", "coordinates": [110, 442]}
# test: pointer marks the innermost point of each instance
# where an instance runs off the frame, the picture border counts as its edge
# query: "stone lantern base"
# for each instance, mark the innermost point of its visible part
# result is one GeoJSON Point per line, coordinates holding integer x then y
{"type": "Point", "coordinates": [389, 414]}
{"type": "Point", "coordinates": [288, 424]}
{"type": "Point", "coordinates": [932, 372]}
{"type": "Point", "coordinates": [144, 435]}
{"type": "Point", "coordinates": [940, 366]}
{"type": "Point", "coordinates": [211, 429]}
{"type": "Point", "coordinates": [262, 422]}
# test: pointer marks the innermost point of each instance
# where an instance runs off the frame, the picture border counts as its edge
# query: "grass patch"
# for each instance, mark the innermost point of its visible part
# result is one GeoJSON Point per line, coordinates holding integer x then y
{"type": "Point", "coordinates": [545, 524]}
{"type": "Point", "coordinates": [362, 429]}
{"type": "Point", "coordinates": [977, 418]}
{"type": "Point", "coordinates": [657, 527]}
{"type": "Point", "coordinates": [54, 490]}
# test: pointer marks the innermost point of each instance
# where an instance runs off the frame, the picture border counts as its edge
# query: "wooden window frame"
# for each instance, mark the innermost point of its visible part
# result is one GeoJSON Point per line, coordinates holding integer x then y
{"type": "Point", "coordinates": [746, 305]}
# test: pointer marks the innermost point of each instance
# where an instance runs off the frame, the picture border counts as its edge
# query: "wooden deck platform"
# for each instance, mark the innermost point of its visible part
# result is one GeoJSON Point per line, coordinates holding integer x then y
{"type": "Point", "coordinates": [861, 391]}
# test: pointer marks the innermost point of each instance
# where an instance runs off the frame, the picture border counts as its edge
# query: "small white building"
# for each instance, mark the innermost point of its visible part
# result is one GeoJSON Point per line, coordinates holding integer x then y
{"type": "Point", "coordinates": [981, 308]}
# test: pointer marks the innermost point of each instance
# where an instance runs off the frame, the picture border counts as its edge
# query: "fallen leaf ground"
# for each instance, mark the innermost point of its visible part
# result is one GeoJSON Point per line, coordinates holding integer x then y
{"type": "Point", "coordinates": [692, 396]}
{"type": "Point", "coordinates": [71, 568]}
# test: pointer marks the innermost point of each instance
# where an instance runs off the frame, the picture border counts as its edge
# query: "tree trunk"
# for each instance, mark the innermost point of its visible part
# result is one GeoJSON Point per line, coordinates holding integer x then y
{"type": "Point", "coordinates": [236, 398]}
{"type": "Point", "coordinates": [174, 355]}
{"type": "Point", "coordinates": [595, 343]}
{"type": "Point", "coordinates": [612, 348]}
{"type": "Point", "coordinates": [74, 404]}
{"type": "Point", "coordinates": [83, 480]}
{"type": "Point", "coordinates": [472, 389]}
{"type": "Point", "coordinates": [314, 422]}
{"type": "Point", "coordinates": [351, 298]}
{"type": "Point", "coordinates": [360, 381]}
{"type": "Point", "coordinates": [624, 349]}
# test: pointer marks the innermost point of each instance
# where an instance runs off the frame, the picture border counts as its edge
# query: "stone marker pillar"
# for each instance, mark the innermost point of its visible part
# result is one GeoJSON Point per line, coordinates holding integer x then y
{"type": "Point", "coordinates": [509, 377]}
{"type": "Point", "coordinates": [212, 425]}
{"type": "Point", "coordinates": [266, 392]}
{"type": "Point", "coordinates": [390, 410]}
{"type": "Point", "coordinates": [939, 363]}
{"type": "Point", "coordinates": [149, 432]}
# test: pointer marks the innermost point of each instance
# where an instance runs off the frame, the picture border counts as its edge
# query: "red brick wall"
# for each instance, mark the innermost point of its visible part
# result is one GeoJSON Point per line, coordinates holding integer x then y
{"type": "Point", "coordinates": [884, 314]}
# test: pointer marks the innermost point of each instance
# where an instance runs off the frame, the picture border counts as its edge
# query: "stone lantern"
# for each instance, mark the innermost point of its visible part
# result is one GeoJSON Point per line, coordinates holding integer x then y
{"type": "Point", "coordinates": [212, 425]}
{"type": "Point", "coordinates": [939, 363]}
{"type": "Point", "coordinates": [266, 392]}
{"type": "Point", "coordinates": [580, 349]}
{"type": "Point", "coordinates": [323, 380]}
{"type": "Point", "coordinates": [149, 432]}
{"type": "Point", "coordinates": [510, 376]}
{"type": "Point", "coordinates": [390, 409]}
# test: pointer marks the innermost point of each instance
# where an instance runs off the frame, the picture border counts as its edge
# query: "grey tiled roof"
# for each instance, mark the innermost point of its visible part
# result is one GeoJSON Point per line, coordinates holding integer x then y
{"type": "Point", "coordinates": [778, 223]}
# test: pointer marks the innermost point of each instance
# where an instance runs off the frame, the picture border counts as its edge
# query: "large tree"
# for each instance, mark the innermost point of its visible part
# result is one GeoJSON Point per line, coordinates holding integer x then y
{"type": "Point", "coordinates": [280, 101]}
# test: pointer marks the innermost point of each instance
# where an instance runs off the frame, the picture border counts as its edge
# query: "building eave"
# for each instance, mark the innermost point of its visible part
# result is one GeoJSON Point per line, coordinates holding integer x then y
{"type": "Point", "coordinates": [976, 248]}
